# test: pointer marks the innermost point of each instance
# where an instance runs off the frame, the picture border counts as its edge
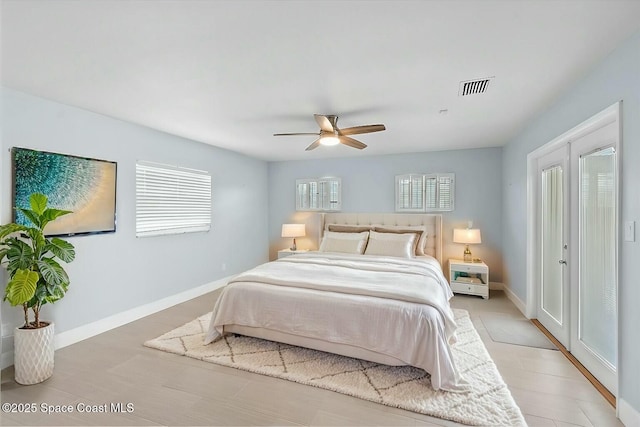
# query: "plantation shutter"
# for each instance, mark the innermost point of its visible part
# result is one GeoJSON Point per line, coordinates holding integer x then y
{"type": "Point", "coordinates": [425, 193]}
{"type": "Point", "coordinates": [302, 196]}
{"type": "Point", "coordinates": [171, 200]}
{"type": "Point", "coordinates": [439, 192]}
{"type": "Point", "coordinates": [445, 192]}
{"type": "Point", "coordinates": [321, 194]}
{"type": "Point", "coordinates": [410, 192]}
{"type": "Point", "coordinates": [403, 192]}
{"type": "Point", "coordinates": [313, 195]}
{"type": "Point", "coordinates": [417, 192]}
{"type": "Point", "coordinates": [329, 195]}
{"type": "Point", "coordinates": [431, 192]}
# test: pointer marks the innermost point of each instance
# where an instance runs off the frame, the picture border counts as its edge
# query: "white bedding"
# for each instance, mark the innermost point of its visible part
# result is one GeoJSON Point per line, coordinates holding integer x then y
{"type": "Point", "coordinates": [391, 306]}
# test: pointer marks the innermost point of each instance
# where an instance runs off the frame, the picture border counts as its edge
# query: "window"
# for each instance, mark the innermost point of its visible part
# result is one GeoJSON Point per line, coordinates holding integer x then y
{"type": "Point", "coordinates": [410, 193]}
{"type": "Point", "coordinates": [425, 192]}
{"type": "Point", "coordinates": [319, 194]}
{"type": "Point", "coordinates": [439, 192]}
{"type": "Point", "coordinates": [171, 200]}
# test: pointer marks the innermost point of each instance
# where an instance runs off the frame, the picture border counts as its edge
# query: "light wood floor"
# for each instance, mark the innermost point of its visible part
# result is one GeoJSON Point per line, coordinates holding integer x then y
{"type": "Point", "coordinates": [167, 389]}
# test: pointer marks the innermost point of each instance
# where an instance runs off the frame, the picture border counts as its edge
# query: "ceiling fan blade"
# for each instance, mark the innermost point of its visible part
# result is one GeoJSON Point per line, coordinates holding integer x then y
{"type": "Point", "coordinates": [361, 129]}
{"type": "Point", "coordinates": [292, 134]}
{"type": "Point", "coordinates": [326, 123]}
{"type": "Point", "coordinates": [352, 142]}
{"type": "Point", "coordinates": [313, 145]}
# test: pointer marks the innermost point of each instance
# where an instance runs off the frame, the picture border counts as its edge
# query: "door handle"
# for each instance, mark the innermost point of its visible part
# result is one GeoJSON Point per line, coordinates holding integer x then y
{"type": "Point", "coordinates": [562, 262]}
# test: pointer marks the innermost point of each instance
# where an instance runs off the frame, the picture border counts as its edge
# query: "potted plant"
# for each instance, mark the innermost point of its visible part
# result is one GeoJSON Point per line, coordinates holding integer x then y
{"type": "Point", "coordinates": [36, 278]}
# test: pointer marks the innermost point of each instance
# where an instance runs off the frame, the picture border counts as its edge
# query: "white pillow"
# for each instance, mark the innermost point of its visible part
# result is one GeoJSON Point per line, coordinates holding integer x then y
{"type": "Point", "coordinates": [422, 240]}
{"type": "Point", "coordinates": [391, 244]}
{"type": "Point", "coordinates": [351, 243]}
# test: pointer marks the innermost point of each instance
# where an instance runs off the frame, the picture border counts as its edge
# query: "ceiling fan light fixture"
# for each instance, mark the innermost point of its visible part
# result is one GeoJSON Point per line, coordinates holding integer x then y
{"type": "Point", "coordinates": [329, 140]}
{"type": "Point", "coordinates": [330, 134]}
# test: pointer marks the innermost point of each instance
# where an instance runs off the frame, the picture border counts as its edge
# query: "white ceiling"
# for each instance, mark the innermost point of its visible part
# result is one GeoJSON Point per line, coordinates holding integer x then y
{"type": "Point", "coordinates": [232, 73]}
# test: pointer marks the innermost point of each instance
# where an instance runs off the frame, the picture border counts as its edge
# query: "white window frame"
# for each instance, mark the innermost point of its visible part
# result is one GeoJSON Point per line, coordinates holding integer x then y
{"type": "Point", "coordinates": [171, 199]}
{"type": "Point", "coordinates": [315, 194]}
{"type": "Point", "coordinates": [435, 194]}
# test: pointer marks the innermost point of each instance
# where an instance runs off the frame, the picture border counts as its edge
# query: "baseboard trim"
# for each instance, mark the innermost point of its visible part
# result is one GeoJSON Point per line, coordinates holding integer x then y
{"type": "Point", "coordinates": [81, 333]}
{"type": "Point", "coordinates": [6, 359]}
{"type": "Point", "coordinates": [496, 286]}
{"type": "Point", "coordinates": [627, 414]}
{"type": "Point", "coordinates": [515, 300]}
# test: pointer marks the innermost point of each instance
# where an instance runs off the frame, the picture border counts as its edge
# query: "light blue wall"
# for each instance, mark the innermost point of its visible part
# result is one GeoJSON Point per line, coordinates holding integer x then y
{"type": "Point", "coordinates": [616, 78]}
{"type": "Point", "coordinates": [116, 272]}
{"type": "Point", "coordinates": [368, 186]}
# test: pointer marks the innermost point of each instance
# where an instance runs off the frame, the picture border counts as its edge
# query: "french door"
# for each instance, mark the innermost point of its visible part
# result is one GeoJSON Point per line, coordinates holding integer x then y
{"type": "Point", "coordinates": [577, 245]}
{"type": "Point", "coordinates": [594, 237]}
{"type": "Point", "coordinates": [553, 297]}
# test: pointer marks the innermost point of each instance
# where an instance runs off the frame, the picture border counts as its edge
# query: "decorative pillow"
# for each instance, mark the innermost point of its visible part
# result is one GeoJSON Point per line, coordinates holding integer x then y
{"type": "Point", "coordinates": [419, 230]}
{"type": "Point", "coordinates": [351, 243]}
{"type": "Point", "coordinates": [391, 244]}
{"type": "Point", "coordinates": [339, 228]}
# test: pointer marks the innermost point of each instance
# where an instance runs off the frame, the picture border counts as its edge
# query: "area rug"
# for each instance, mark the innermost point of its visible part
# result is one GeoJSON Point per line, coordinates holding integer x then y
{"type": "Point", "coordinates": [506, 329]}
{"type": "Point", "coordinates": [487, 401]}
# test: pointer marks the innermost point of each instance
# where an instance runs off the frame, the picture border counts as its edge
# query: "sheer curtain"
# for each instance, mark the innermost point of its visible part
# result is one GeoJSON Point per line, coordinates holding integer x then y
{"type": "Point", "coordinates": [552, 236]}
{"type": "Point", "coordinates": [598, 282]}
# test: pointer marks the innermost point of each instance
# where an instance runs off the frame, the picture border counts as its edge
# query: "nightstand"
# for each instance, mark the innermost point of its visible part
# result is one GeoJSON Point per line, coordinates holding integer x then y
{"type": "Point", "coordinates": [471, 278]}
{"type": "Point", "coordinates": [286, 252]}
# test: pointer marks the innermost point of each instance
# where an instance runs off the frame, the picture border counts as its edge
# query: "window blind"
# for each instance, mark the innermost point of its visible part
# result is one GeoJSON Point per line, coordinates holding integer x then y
{"type": "Point", "coordinates": [171, 199]}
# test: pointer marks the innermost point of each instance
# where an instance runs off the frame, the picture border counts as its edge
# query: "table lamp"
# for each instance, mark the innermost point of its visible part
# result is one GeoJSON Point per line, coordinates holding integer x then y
{"type": "Point", "coordinates": [293, 230]}
{"type": "Point", "coordinates": [468, 236]}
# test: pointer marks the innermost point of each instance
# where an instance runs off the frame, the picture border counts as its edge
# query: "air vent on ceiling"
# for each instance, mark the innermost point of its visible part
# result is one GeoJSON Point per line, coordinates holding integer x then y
{"type": "Point", "coordinates": [473, 87]}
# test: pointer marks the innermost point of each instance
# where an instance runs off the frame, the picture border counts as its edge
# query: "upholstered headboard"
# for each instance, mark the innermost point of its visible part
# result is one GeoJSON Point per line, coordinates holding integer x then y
{"type": "Point", "coordinates": [433, 224]}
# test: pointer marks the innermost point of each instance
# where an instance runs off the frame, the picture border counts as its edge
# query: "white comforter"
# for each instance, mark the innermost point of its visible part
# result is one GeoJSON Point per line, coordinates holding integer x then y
{"type": "Point", "coordinates": [392, 306]}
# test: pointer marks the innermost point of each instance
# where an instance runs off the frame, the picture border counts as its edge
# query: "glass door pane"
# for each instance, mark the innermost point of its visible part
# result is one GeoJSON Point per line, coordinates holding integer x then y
{"type": "Point", "coordinates": [552, 242]}
{"type": "Point", "coordinates": [597, 270]}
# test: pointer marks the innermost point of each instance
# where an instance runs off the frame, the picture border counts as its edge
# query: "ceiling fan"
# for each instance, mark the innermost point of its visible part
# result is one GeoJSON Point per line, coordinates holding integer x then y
{"type": "Point", "coordinates": [330, 134]}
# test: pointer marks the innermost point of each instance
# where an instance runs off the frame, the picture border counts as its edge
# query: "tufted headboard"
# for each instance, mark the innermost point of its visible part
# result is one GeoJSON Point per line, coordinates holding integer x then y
{"type": "Point", "coordinates": [433, 223]}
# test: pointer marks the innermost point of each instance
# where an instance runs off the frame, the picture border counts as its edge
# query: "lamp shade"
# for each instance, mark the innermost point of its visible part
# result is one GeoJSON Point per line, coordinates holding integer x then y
{"type": "Point", "coordinates": [293, 230]}
{"type": "Point", "coordinates": [466, 235]}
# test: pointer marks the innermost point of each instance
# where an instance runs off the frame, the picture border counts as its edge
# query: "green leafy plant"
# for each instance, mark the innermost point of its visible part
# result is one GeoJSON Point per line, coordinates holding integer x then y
{"type": "Point", "coordinates": [36, 277]}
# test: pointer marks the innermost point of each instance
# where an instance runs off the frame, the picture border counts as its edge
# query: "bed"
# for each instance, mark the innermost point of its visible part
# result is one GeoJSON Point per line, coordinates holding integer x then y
{"type": "Point", "coordinates": [388, 305]}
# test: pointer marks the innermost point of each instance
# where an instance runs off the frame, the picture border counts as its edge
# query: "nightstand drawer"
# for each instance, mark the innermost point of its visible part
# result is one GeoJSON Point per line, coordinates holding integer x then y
{"type": "Point", "coordinates": [469, 288]}
{"type": "Point", "coordinates": [466, 268]}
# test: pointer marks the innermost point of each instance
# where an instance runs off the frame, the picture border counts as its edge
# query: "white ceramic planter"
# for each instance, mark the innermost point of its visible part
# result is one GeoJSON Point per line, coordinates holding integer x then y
{"type": "Point", "coordinates": [33, 354]}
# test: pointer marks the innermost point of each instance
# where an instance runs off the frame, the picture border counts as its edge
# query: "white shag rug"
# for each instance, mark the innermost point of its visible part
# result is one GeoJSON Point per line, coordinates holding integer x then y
{"type": "Point", "coordinates": [488, 401]}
